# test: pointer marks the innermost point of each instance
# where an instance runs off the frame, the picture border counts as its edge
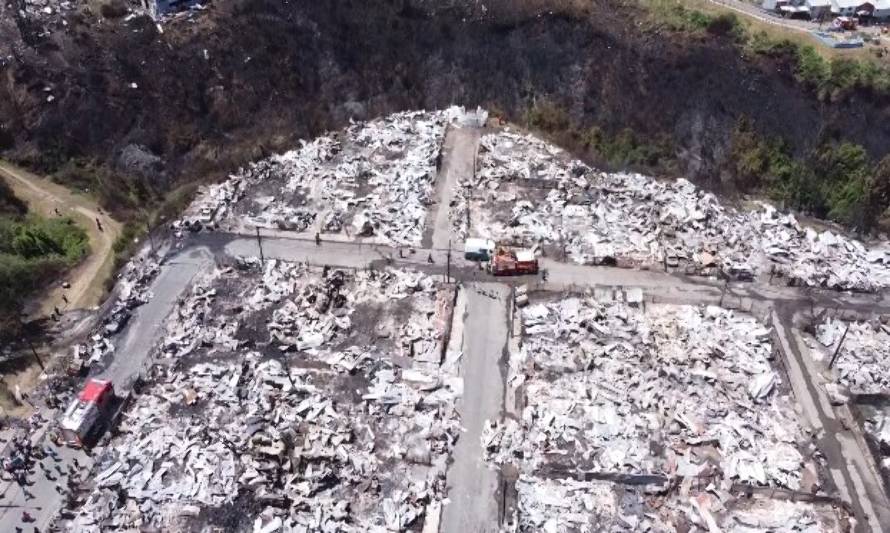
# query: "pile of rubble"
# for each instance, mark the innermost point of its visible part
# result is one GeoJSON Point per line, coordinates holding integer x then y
{"type": "Point", "coordinates": [278, 391]}
{"type": "Point", "coordinates": [563, 505]}
{"type": "Point", "coordinates": [862, 365]}
{"type": "Point", "coordinates": [212, 204]}
{"type": "Point", "coordinates": [527, 191]}
{"type": "Point", "coordinates": [374, 180]}
{"type": "Point", "coordinates": [876, 424]}
{"type": "Point", "coordinates": [672, 393]}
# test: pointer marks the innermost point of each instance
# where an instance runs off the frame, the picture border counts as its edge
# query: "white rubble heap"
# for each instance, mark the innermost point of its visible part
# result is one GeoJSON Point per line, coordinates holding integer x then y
{"type": "Point", "coordinates": [672, 392]}
{"type": "Point", "coordinates": [863, 363]}
{"type": "Point", "coordinates": [876, 423]}
{"type": "Point", "coordinates": [323, 437]}
{"type": "Point", "coordinates": [374, 179]}
{"type": "Point", "coordinates": [632, 219]}
{"type": "Point", "coordinates": [562, 505]}
{"type": "Point", "coordinates": [212, 203]}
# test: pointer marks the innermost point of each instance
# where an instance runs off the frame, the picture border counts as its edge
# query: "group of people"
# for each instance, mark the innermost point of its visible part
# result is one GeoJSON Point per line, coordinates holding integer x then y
{"type": "Point", "coordinates": [22, 462]}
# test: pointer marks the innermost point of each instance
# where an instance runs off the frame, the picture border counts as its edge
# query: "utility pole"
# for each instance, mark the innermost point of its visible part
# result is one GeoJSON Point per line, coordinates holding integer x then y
{"type": "Point", "coordinates": [259, 242]}
{"type": "Point", "coordinates": [838, 349]}
{"type": "Point", "coordinates": [28, 340]}
{"type": "Point", "coordinates": [146, 221]}
{"type": "Point", "coordinates": [151, 238]}
{"type": "Point", "coordinates": [448, 263]}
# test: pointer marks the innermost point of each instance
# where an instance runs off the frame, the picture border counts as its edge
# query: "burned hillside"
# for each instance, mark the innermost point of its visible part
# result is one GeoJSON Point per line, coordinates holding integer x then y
{"type": "Point", "coordinates": [208, 91]}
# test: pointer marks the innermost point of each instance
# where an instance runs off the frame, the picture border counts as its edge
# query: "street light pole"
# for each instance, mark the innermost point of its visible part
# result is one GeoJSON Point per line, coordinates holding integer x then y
{"type": "Point", "coordinates": [146, 220]}
{"type": "Point", "coordinates": [448, 264]}
{"type": "Point", "coordinates": [259, 242]}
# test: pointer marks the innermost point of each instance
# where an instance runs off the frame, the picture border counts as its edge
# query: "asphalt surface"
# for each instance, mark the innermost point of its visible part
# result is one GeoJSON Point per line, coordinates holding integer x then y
{"type": "Point", "coordinates": [472, 485]}
{"type": "Point", "coordinates": [458, 166]}
{"type": "Point", "coordinates": [850, 464]}
{"type": "Point", "coordinates": [40, 497]}
{"type": "Point", "coordinates": [43, 499]}
{"type": "Point", "coordinates": [145, 327]}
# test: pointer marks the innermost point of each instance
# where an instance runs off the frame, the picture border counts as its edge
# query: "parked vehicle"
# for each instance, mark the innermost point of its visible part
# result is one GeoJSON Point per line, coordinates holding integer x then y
{"type": "Point", "coordinates": [90, 414]}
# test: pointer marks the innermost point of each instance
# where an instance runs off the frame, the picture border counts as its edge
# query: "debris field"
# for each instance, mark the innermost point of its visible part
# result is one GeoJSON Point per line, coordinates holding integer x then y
{"type": "Point", "coordinates": [862, 365]}
{"type": "Point", "coordinates": [665, 401]}
{"type": "Point", "coordinates": [861, 376]}
{"type": "Point", "coordinates": [373, 180]}
{"type": "Point", "coordinates": [529, 192]}
{"type": "Point", "coordinates": [288, 397]}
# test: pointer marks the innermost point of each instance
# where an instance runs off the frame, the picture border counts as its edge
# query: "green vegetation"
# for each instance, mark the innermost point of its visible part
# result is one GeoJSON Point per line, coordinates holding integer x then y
{"type": "Point", "coordinates": [33, 251]}
{"type": "Point", "coordinates": [831, 79]}
{"type": "Point", "coordinates": [545, 115]}
{"type": "Point", "coordinates": [118, 193]}
{"type": "Point", "coordinates": [673, 15]}
{"type": "Point", "coordinates": [620, 150]}
{"type": "Point", "coordinates": [836, 181]}
{"type": "Point", "coordinates": [626, 148]}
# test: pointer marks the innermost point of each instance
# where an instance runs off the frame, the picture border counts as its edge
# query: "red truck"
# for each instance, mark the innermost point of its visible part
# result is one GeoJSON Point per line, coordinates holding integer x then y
{"type": "Point", "coordinates": [90, 413]}
{"type": "Point", "coordinates": [508, 262]}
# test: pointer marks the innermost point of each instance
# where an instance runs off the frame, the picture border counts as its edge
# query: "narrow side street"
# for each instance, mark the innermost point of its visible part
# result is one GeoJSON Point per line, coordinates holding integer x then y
{"type": "Point", "coordinates": [851, 469]}
{"type": "Point", "coordinates": [459, 159]}
{"type": "Point", "coordinates": [472, 485]}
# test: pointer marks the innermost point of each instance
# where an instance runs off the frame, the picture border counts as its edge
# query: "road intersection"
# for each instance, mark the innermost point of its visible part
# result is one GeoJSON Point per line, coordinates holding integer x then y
{"type": "Point", "coordinates": [474, 503]}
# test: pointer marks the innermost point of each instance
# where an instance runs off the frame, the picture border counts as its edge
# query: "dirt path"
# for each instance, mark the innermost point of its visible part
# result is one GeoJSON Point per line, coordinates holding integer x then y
{"type": "Point", "coordinates": [88, 278]}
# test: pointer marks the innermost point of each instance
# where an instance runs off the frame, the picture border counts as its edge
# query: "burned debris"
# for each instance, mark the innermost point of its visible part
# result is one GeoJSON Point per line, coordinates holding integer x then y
{"type": "Point", "coordinates": [374, 180]}
{"type": "Point", "coordinates": [325, 419]}
{"type": "Point", "coordinates": [855, 356]}
{"type": "Point", "coordinates": [858, 352]}
{"type": "Point", "coordinates": [284, 396]}
{"type": "Point", "coordinates": [655, 404]}
{"type": "Point", "coordinates": [529, 192]}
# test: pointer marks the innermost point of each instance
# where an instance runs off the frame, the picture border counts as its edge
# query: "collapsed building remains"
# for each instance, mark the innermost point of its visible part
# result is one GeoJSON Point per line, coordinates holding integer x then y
{"type": "Point", "coordinates": [862, 361]}
{"type": "Point", "coordinates": [287, 397]}
{"type": "Point", "coordinates": [672, 394]}
{"type": "Point", "coordinates": [568, 505]}
{"type": "Point", "coordinates": [372, 180]}
{"type": "Point", "coordinates": [527, 191]}
{"type": "Point", "coordinates": [859, 355]}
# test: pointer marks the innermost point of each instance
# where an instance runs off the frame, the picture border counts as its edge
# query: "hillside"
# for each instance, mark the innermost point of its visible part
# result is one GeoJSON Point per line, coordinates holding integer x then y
{"type": "Point", "coordinates": [118, 107]}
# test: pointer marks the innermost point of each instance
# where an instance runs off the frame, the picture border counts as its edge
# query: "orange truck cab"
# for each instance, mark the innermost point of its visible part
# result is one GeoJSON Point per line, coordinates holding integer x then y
{"type": "Point", "coordinates": [514, 263]}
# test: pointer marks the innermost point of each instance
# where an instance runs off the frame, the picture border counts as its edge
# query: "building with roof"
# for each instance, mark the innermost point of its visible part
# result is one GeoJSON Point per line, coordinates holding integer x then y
{"type": "Point", "coordinates": [819, 9]}
{"type": "Point", "coordinates": [851, 8]}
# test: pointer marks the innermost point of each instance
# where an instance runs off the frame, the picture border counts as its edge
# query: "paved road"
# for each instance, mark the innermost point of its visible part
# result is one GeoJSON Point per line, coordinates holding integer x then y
{"type": "Point", "coordinates": [87, 279]}
{"type": "Point", "coordinates": [756, 12]}
{"type": "Point", "coordinates": [42, 501]}
{"type": "Point", "coordinates": [851, 465]}
{"type": "Point", "coordinates": [472, 485]}
{"type": "Point", "coordinates": [144, 330]}
{"type": "Point", "coordinates": [458, 164]}
{"type": "Point", "coordinates": [131, 354]}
